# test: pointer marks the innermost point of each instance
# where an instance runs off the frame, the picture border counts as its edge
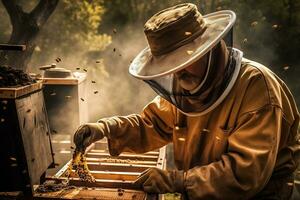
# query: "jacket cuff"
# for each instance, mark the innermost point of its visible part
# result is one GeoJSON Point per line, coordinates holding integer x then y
{"type": "Point", "coordinates": [114, 147]}
{"type": "Point", "coordinates": [178, 180]}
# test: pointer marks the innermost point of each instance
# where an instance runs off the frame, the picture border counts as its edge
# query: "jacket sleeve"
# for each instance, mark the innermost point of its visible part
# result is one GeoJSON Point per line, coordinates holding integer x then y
{"type": "Point", "coordinates": [247, 166]}
{"type": "Point", "coordinates": [136, 133]}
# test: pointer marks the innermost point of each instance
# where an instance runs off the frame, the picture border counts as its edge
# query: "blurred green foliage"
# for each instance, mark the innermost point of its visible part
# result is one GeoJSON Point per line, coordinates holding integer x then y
{"type": "Point", "coordinates": [71, 33]}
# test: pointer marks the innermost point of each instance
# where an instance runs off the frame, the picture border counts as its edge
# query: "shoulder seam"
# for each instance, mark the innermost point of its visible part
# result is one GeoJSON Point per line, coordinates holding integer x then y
{"type": "Point", "coordinates": [269, 96]}
{"type": "Point", "coordinates": [266, 105]}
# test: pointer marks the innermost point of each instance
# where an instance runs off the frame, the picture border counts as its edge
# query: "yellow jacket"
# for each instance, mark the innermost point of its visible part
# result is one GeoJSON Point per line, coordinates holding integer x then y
{"type": "Point", "coordinates": [229, 153]}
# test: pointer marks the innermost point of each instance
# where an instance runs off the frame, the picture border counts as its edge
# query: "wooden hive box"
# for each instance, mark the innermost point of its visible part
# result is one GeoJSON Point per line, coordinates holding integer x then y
{"type": "Point", "coordinates": [67, 108]}
{"type": "Point", "coordinates": [25, 152]}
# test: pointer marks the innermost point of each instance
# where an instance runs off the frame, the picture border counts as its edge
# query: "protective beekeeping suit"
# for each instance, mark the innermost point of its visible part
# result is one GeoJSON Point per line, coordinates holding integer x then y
{"type": "Point", "coordinates": [232, 121]}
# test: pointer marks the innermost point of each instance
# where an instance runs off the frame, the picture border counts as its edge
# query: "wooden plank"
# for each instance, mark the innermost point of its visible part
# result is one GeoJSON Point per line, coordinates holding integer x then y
{"type": "Point", "coordinates": [114, 175]}
{"type": "Point", "coordinates": [15, 92]}
{"type": "Point", "coordinates": [62, 171]}
{"type": "Point", "coordinates": [14, 195]}
{"type": "Point", "coordinates": [122, 156]}
{"type": "Point", "coordinates": [117, 167]}
{"type": "Point", "coordinates": [130, 161]}
{"type": "Point", "coordinates": [101, 145]}
{"type": "Point", "coordinates": [161, 161]}
{"type": "Point", "coordinates": [104, 183]}
{"type": "Point", "coordinates": [152, 153]}
{"type": "Point", "coordinates": [35, 132]}
{"type": "Point", "coordinates": [100, 183]}
{"type": "Point", "coordinates": [92, 193]}
{"type": "Point", "coordinates": [113, 184]}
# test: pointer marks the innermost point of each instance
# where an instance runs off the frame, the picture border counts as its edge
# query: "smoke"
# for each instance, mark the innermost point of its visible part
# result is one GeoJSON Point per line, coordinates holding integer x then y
{"type": "Point", "coordinates": [119, 92]}
{"type": "Point", "coordinates": [109, 88]}
{"type": "Point", "coordinates": [107, 91]}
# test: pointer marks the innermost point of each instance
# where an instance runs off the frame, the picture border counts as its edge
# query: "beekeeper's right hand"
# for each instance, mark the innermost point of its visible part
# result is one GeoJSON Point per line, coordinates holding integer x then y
{"type": "Point", "coordinates": [87, 134]}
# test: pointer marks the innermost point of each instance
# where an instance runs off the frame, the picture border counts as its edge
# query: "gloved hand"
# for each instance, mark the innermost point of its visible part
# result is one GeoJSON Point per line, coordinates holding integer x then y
{"type": "Point", "coordinates": [154, 180]}
{"type": "Point", "coordinates": [87, 134]}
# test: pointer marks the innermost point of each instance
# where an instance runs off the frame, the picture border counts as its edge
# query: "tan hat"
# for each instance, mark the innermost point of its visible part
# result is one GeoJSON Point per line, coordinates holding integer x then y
{"type": "Point", "coordinates": [177, 37]}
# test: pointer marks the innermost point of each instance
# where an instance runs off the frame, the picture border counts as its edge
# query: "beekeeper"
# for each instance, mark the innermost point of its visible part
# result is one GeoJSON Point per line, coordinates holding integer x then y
{"type": "Point", "coordinates": [232, 121]}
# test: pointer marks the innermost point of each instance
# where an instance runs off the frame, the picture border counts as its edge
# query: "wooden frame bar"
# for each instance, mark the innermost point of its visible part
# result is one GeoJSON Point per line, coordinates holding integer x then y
{"type": "Point", "coordinates": [13, 93]}
{"type": "Point", "coordinates": [111, 172]}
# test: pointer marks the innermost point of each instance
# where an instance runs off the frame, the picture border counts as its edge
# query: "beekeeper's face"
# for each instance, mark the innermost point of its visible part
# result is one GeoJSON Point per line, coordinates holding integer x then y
{"type": "Point", "coordinates": [190, 77]}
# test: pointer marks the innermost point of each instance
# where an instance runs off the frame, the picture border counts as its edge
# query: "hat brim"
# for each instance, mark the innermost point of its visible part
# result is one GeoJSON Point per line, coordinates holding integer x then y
{"type": "Point", "coordinates": [146, 66]}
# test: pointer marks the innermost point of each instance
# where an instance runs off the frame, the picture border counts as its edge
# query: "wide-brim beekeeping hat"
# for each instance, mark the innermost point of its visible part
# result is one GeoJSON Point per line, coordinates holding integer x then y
{"type": "Point", "coordinates": [177, 37]}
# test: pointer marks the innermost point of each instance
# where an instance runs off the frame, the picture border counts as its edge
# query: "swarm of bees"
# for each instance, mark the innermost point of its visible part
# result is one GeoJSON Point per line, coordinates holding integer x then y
{"type": "Point", "coordinates": [53, 186]}
{"type": "Point", "coordinates": [79, 164]}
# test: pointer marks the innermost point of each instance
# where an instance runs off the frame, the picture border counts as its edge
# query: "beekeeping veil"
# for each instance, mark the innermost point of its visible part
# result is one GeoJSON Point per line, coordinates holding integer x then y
{"type": "Point", "coordinates": [177, 37]}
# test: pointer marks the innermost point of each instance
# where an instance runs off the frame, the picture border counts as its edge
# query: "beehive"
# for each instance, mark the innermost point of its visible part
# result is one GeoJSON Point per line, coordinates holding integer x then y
{"type": "Point", "coordinates": [25, 135]}
{"type": "Point", "coordinates": [114, 176]}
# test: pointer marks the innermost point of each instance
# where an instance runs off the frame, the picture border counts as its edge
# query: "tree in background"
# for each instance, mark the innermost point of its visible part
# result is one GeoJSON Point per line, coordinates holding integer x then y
{"type": "Point", "coordinates": [72, 34]}
{"type": "Point", "coordinates": [25, 28]}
